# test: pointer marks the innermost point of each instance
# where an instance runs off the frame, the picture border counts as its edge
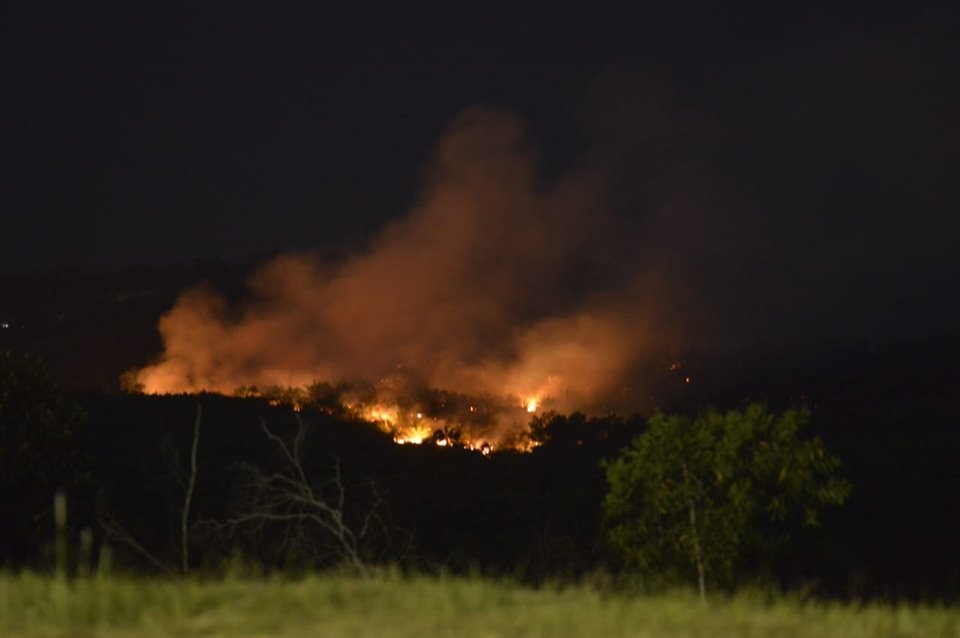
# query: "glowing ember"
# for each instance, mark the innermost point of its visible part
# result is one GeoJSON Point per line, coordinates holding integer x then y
{"type": "Point", "coordinates": [485, 448]}
{"type": "Point", "coordinates": [527, 445]}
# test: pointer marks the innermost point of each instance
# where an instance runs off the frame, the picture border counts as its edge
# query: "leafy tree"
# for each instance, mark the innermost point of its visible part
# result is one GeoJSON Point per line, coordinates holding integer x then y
{"type": "Point", "coordinates": [696, 495]}
{"type": "Point", "coordinates": [39, 453]}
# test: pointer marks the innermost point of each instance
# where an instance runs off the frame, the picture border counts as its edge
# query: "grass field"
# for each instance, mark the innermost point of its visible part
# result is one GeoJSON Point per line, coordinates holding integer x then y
{"type": "Point", "coordinates": [392, 605]}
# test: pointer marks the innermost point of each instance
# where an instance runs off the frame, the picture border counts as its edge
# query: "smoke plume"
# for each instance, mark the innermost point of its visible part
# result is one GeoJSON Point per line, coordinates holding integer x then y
{"type": "Point", "coordinates": [747, 212]}
{"type": "Point", "coordinates": [496, 283]}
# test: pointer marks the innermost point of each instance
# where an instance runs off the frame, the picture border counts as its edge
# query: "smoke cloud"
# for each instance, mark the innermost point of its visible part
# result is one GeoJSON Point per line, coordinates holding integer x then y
{"type": "Point", "coordinates": [495, 283]}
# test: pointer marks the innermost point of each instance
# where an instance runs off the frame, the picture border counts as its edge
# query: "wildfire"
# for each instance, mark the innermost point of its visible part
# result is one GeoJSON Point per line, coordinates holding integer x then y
{"type": "Point", "coordinates": [423, 314]}
{"type": "Point", "coordinates": [415, 435]}
{"type": "Point", "coordinates": [414, 415]}
{"type": "Point", "coordinates": [485, 448]}
{"type": "Point", "coordinates": [379, 414]}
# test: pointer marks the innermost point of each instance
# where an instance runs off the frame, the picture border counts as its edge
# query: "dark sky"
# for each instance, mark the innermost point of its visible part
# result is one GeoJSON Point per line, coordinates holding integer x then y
{"type": "Point", "coordinates": [231, 129]}
{"type": "Point", "coordinates": [798, 152]}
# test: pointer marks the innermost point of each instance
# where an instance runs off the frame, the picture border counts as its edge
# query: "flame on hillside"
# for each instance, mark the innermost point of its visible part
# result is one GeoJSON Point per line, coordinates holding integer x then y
{"type": "Point", "coordinates": [494, 427]}
{"type": "Point", "coordinates": [417, 415]}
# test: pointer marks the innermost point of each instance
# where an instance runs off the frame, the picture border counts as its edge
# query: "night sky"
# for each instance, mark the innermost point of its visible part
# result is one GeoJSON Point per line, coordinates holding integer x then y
{"type": "Point", "coordinates": [803, 154]}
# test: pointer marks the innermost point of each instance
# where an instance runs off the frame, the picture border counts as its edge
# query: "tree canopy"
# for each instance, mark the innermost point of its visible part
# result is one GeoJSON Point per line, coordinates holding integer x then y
{"type": "Point", "coordinates": [695, 495]}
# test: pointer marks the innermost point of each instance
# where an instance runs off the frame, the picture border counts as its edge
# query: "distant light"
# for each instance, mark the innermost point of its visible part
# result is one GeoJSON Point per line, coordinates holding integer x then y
{"type": "Point", "coordinates": [686, 379]}
{"type": "Point", "coordinates": [4, 324]}
{"type": "Point", "coordinates": [419, 415]}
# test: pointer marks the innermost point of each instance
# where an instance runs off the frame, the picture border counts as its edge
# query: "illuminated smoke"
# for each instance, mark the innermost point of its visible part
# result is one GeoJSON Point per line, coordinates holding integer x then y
{"type": "Point", "coordinates": [757, 211]}
{"type": "Point", "coordinates": [496, 283]}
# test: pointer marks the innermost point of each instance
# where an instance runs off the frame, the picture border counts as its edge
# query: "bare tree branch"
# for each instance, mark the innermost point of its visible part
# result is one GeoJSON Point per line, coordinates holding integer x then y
{"type": "Point", "coordinates": [373, 514]}
{"type": "Point", "coordinates": [289, 497]}
{"type": "Point", "coordinates": [188, 497]}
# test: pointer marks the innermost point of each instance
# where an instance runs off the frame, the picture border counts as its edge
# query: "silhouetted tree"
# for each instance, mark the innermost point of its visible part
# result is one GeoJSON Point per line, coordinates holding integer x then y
{"type": "Point", "coordinates": [693, 495]}
{"type": "Point", "coordinates": [40, 452]}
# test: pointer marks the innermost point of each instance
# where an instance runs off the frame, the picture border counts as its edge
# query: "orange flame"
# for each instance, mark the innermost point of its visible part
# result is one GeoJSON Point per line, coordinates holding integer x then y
{"type": "Point", "coordinates": [415, 435]}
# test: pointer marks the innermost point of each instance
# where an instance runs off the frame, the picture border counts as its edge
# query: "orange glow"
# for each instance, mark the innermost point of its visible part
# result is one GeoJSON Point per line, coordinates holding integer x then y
{"type": "Point", "coordinates": [381, 415]}
{"type": "Point", "coordinates": [414, 435]}
{"type": "Point", "coordinates": [500, 423]}
{"type": "Point", "coordinates": [527, 445]}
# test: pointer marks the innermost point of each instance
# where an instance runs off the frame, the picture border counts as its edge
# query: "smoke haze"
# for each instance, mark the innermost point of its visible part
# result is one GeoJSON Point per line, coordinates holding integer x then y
{"type": "Point", "coordinates": [494, 283]}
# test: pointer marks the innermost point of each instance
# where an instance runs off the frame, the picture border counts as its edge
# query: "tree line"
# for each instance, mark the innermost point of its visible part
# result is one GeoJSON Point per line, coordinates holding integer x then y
{"type": "Point", "coordinates": [710, 498]}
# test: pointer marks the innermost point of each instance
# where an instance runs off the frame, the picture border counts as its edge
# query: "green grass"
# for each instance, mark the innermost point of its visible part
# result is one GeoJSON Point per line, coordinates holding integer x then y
{"type": "Point", "coordinates": [392, 605]}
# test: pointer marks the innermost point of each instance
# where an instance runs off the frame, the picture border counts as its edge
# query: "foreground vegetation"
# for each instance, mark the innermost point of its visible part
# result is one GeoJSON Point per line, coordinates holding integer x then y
{"type": "Point", "coordinates": [393, 605]}
{"type": "Point", "coordinates": [715, 498]}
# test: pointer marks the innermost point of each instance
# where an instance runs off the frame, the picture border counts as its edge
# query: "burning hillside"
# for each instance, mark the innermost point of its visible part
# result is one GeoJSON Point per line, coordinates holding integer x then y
{"type": "Point", "coordinates": [495, 285]}
{"type": "Point", "coordinates": [414, 415]}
